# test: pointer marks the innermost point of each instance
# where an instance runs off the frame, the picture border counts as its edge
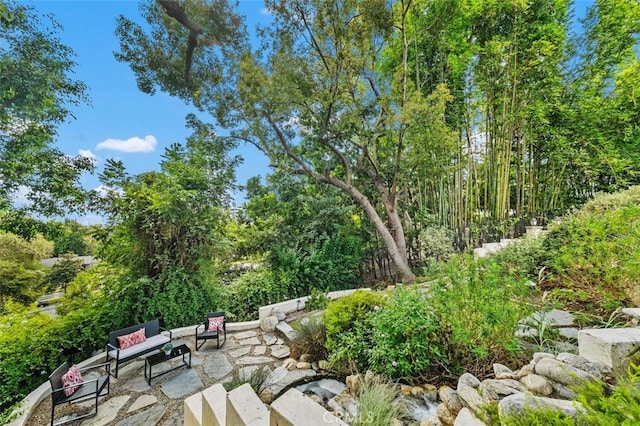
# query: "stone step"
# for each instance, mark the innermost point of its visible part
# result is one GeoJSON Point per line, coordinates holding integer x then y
{"type": "Point", "coordinates": [193, 410]}
{"type": "Point", "coordinates": [286, 331]}
{"type": "Point", "coordinates": [244, 408]}
{"type": "Point", "coordinates": [295, 409]}
{"type": "Point", "coordinates": [214, 406]}
{"type": "Point", "coordinates": [610, 346]}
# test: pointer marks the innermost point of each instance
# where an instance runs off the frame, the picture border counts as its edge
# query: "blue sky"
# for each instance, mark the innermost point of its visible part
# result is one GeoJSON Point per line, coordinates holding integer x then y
{"type": "Point", "coordinates": [121, 122]}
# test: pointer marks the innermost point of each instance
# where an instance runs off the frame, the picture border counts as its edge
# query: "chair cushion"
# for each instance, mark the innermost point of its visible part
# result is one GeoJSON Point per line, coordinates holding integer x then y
{"type": "Point", "coordinates": [132, 339]}
{"type": "Point", "coordinates": [215, 324]}
{"type": "Point", "coordinates": [153, 341]}
{"type": "Point", "coordinates": [71, 377]}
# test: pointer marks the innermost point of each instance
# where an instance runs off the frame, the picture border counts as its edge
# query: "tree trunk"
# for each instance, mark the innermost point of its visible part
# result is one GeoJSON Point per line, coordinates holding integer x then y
{"type": "Point", "coordinates": [398, 257]}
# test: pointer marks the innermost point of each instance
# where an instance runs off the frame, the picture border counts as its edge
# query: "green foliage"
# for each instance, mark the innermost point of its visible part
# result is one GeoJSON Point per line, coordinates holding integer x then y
{"type": "Point", "coordinates": [596, 250]}
{"type": "Point", "coordinates": [243, 297]}
{"type": "Point", "coordinates": [406, 346]}
{"type": "Point", "coordinates": [464, 321]}
{"type": "Point", "coordinates": [375, 402]}
{"type": "Point", "coordinates": [42, 343]}
{"type": "Point", "coordinates": [478, 305]}
{"type": "Point", "coordinates": [311, 339]}
{"type": "Point", "coordinates": [523, 258]}
{"type": "Point", "coordinates": [317, 299]}
{"type": "Point", "coordinates": [64, 271]}
{"type": "Point", "coordinates": [36, 95]}
{"type": "Point", "coordinates": [255, 378]}
{"type": "Point", "coordinates": [437, 242]}
{"type": "Point", "coordinates": [348, 322]}
{"type": "Point", "coordinates": [19, 282]}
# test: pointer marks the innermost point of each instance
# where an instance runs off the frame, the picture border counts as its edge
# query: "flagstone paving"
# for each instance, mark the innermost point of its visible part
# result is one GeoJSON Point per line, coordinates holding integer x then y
{"type": "Point", "coordinates": [132, 401]}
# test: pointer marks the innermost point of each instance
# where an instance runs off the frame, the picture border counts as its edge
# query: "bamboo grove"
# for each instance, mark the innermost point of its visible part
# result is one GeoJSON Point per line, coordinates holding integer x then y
{"type": "Point", "coordinates": [541, 108]}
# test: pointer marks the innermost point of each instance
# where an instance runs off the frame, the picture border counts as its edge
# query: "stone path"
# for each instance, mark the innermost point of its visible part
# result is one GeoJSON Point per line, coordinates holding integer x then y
{"type": "Point", "coordinates": [132, 401]}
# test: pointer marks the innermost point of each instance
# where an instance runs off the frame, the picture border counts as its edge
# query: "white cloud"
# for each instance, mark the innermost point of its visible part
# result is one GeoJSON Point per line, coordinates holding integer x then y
{"type": "Point", "coordinates": [87, 154]}
{"type": "Point", "coordinates": [134, 144]}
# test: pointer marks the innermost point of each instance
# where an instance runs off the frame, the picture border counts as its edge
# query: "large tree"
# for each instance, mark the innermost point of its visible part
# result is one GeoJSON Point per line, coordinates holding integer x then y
{"type": "Point", "coordinates": [36, 94]}
{"type": "Point", "coordinates": [312, 97]}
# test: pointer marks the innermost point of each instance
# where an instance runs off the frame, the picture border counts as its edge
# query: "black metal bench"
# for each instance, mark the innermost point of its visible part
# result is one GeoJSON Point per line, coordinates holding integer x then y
{"type": "Point", "coordinates": [155, 340]}
{"type": "Point", "coordinates": [87, 390]}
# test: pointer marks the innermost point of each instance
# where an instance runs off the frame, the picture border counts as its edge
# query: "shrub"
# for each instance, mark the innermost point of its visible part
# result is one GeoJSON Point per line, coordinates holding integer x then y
{"type": "Point", "coordinates": [311, 339]}
{"type": "Point", "coordinates": [405, 337]}
{"type": "Point", "coordinates": [437, 243]}
{"type": "Point", "coordinates": [349, 328]}
{"type": "Point", "coordinates": [375, 402]}
{"type": "Point", "coordinates": [478, 305]}
{"type": "Point", "coordinates": [243, 297]}
{"type": "Point", "coordinates": [317, 299]}
{"type": "Point", "coordinates": [598, 253]}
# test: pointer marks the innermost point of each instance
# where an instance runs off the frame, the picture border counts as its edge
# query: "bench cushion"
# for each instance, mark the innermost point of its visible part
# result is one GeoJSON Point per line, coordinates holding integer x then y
{"type": "Point", "coordinates": [151, 342]}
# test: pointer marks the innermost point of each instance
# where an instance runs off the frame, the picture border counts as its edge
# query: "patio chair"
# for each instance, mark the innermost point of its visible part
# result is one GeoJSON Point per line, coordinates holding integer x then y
{"type": "Point", "coordinates": [203, 332]}
{"type": "Point", "coordinates": [86, 390]}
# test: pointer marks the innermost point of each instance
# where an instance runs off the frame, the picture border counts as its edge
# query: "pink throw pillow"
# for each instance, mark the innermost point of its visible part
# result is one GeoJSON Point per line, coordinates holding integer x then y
{"type": "Point", "coordinates": [215, 324]}
{"type": "Point", "coordinates": [132, 339]}
{"type": "Point", "coordinates": [71, 377]}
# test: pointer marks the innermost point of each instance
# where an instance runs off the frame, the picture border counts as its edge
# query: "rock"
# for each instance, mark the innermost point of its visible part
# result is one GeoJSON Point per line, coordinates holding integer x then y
{"type": "Point", "coordinates": [469, 380]}
{"type": "Point", "coordinates": [580, 362]}
{"type": "Point", "coordinates": [505, 375]}
{"type": "Point", "coordinates": [278, 314]}
{"type": "Point", "coordinates": [290, 363]}
{"type": "Point", "coordinates": [431, 421]}
{"type": "Point", "coordinates": [185, 383]}
{"type": "Point", "coordinates": [470, 397]}
{"type": "Point", "coordinates": [516, 403]}
{"type": "Point", "coordinates": [240, 352]}
{"type": "Point", "coordinates": [500, 368]}
{"type": "Point", "coordinates": [487, 392]}
{"type": "Point", "coordinates": [141, 402]}
{"type": "Point", "coordinates": [467, 418]}
{"type": "Point", "coordinates": [527, 369]}
{"type": "Point", "coordinates": [107, 411]}
{"type": "Point", "coordinates": [537, 384]}
{"type": "Point", "coordinates": [266, 396]}
{"type": "Point", "coordinates": [280, 378]}
{"type": "Point", "coordinates": [397, 422]}
{"type": "Point", "coordinates": [430, 392]}
{"type": "Point", "coordinates": [249, 360]}
{"type": "Point", "coordinates": [149, 417]}
{"type": "Point", "coordinates": [306, 357]}
{"type": "Point", "coordinates": [417, 391]}
{"type": "Point", "coordinates": [540, 355]}
{"type": "Point", "coordinates": [259, 350]}
{"type": "Point", "coordinates": [344, 405]}
{"type": "Point", "coordinates": [253, 341]}
{"type": "Point", "coordinates": [444, 414]}
{"type": "Point", "coordinates": [323, 364]}
{"type": "Point", "coordinates": [495, 389]}
{"type": "Point", "coordinates": [303, 365]}
{"type": "Point", "coordinates": [332, 386]}
{"type": "Point", "coordinates": [244, 334]}
{"type": "Point", "coordinates": [280, 351]}
{"type": "Point", "coordinates": [451, 398]}
{"type": "Point", "coordinates": [269, 338]}
{"type": "Point", "coordinates": [514, 384]}
{"type": "Point", "coordinates": [354, 383]}
{"type": "Point", "coordinates": [562, 392]}
{"type": "Point", "coordinates": [268, 324]}
{"type": "Point", "coordinates": [562, 373]}
{"type": "Point", "coordinates": [405, 390]}
{"type": "Point", "coordinates": [286, 330]}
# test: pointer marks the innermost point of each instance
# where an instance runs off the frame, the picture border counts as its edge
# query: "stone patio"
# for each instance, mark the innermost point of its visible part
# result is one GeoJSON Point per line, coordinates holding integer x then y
{"type": "Point", "coordinates": [132, 401]}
